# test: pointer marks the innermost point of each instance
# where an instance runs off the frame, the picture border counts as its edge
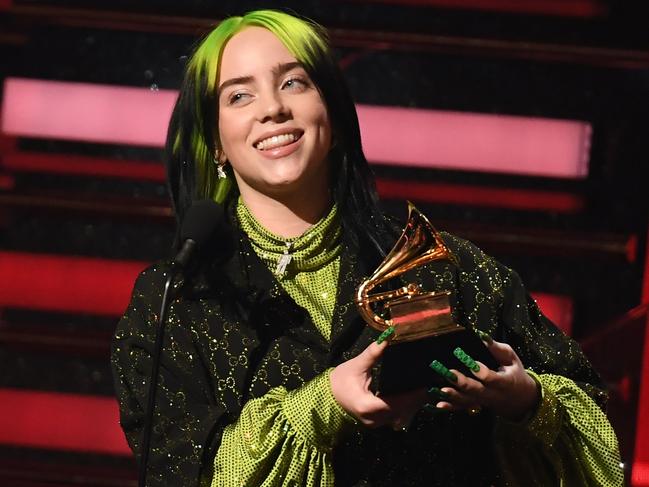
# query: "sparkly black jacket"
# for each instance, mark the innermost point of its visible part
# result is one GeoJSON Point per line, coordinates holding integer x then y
{"type": "Point", "coordinates": [234, 333]}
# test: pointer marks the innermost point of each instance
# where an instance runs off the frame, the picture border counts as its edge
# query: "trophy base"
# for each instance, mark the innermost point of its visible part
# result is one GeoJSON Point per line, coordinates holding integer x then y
{"type": "Point", "coordinates": [405, 366]}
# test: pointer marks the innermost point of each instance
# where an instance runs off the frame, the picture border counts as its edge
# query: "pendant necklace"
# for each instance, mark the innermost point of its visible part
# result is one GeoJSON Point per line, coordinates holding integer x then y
{"type": "Point", "coordinates": [284, 260]}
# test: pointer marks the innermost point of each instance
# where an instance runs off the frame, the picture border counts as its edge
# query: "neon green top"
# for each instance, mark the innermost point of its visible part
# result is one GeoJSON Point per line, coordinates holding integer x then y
{"type": "Point", "coordinates": [286, 438]}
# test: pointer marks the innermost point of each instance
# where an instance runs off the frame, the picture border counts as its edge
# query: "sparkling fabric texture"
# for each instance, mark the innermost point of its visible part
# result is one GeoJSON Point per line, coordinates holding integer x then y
{"type": "Point", "coordinates": [312, 275]}
{"type": "Point", "coordinates": [236, 337]}
{"type": "Point", "coordinates": [569, 431]}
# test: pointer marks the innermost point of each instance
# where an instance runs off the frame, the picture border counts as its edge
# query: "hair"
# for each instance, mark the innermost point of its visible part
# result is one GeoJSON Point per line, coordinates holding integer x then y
{"type": "Point", "coordinates": [193, 130]}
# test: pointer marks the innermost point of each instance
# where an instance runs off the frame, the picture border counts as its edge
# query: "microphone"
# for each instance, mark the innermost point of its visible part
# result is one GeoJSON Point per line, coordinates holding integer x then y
{"type": "Point", "coordinates": [200, 223]}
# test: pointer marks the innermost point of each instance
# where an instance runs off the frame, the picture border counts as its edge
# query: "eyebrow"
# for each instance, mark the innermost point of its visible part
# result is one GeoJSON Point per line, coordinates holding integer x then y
{"type": "Point", "coordinates": [278, 70]}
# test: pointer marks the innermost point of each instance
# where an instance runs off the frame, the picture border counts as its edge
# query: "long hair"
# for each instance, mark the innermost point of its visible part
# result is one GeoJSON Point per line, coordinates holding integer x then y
{"type": "Point", "coordinates": [193, 131]}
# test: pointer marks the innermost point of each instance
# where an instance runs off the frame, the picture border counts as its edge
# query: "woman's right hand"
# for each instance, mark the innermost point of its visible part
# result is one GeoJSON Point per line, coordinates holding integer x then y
{"type": "Point", "coordinates": [350, 384]}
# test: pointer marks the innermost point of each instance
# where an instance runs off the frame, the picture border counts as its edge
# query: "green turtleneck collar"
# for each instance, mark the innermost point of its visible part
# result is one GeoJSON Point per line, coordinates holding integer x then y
{"type": "Point", "coordinates": [312, 250]}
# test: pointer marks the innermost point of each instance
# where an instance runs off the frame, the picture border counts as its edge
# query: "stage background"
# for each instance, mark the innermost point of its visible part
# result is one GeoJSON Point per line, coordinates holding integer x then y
{"type": "Point", "coordinates": [521, 125]}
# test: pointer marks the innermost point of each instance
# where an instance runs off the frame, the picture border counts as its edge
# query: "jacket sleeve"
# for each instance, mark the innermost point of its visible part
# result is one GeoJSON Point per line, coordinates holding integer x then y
{"type": "Point", "coordinates": [569, 433]}
{"type": "Point", "coordinates": [283, 438]}
{"type": "Point", "coordinates": [569, 440]}
{"type": "Point", "coordinates": [188, 422]}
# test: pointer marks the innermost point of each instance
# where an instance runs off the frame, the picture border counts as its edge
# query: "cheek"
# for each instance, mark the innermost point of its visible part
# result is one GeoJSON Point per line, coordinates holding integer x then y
{"type": "Point", "coordinates": [229, 133]}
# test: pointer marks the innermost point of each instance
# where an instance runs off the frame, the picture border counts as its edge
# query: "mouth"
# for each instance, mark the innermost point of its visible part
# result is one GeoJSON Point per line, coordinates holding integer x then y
{"type": "Point", "coordinates": [278, 140]}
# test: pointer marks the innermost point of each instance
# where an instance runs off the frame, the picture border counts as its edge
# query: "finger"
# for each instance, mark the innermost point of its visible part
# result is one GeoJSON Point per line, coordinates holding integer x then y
{"type": "Point", "coordinates": [467, 360]}
{"type": "Point", "coordinates": [368, 357]}
{"type": "Point", "coordinates": [502, 352]}
{"type": "Point", "coordinates": [442, 371]}
{"type": "Point", "coordinates": [467, 386]}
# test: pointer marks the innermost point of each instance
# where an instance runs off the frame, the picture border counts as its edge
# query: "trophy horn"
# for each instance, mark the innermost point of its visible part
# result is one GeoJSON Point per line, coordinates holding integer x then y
{"type": "Point", "coordinates": [414, 313]}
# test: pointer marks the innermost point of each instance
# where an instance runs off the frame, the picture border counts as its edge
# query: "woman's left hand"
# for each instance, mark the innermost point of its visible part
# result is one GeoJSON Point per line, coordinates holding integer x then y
{"type": "Point", "coordinates": [508, 392]}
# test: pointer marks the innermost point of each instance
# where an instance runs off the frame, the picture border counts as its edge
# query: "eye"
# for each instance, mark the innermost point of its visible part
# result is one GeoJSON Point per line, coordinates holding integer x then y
{"type": "Point", "coordinates": [296, 83]}
{"type": "Point", "coordinates": [237, 97]}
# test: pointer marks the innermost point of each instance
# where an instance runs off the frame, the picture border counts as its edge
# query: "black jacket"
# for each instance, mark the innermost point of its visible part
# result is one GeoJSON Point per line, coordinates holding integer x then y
{"type": "Point", "coordinates": [233, 334]}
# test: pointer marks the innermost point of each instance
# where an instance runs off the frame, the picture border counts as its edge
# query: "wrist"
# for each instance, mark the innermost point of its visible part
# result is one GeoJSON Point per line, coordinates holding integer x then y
{"type": "Point", "coordinates": [530, 400]}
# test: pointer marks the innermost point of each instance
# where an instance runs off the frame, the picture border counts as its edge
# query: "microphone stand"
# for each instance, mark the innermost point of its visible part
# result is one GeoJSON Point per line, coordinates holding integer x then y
{"type": "Point", "coordinates": [155, 367]}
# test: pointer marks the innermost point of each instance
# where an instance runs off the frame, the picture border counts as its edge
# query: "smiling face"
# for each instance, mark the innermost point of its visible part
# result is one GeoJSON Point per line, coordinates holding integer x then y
{"type": "Point", "coordinates": [273, 125]}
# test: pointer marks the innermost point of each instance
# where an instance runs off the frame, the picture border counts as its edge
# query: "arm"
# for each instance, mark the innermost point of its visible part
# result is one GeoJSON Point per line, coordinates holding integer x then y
{"type": "Point", "coordinates": [569, 437]}
{"type": "Point", "coordinates": [188, 421]}
{"type": "Point", "coordinates": [283, 438]}
{"type": "Point", "coordinates": [568, 431]}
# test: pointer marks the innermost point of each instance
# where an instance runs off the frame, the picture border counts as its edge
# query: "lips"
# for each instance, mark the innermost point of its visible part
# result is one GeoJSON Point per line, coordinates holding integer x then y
{"type": "Point", "coordinates": [277, 139]}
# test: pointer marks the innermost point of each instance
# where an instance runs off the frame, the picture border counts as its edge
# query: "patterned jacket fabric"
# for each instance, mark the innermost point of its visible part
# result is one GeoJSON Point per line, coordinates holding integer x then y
{"type": "Point", "coordinates": [233, 334]}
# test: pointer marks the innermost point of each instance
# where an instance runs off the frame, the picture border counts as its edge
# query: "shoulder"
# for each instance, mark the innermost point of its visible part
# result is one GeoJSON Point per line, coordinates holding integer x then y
{"type": "Point", "coordinates": [469, 256]}
{"type": "Point", "coordinates": [152, 278]}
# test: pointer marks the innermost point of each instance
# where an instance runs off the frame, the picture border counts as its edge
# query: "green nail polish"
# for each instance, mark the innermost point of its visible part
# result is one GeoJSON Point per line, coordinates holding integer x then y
{"type": "Point", "coordinates": [437, 392]}
{"type": "Point", "coordinates": [466, 359]}
{"type": "Point", "coordinates": [483, 336]}
{"type": "Point", "coordinates": [387, 333]}
{"type": "Point", "coordinates": [443, 371]}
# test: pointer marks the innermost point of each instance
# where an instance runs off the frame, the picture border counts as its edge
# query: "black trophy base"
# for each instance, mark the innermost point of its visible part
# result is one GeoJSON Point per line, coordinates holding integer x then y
{"type": "Point", "coordinates": [406, 366]}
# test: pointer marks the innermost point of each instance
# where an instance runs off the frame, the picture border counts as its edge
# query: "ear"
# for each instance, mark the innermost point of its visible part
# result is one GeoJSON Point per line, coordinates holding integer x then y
{"type": "Point", "coordinates": [220, 156]}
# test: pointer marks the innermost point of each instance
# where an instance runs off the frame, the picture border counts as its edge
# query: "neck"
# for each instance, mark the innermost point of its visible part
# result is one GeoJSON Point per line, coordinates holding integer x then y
{"type": "Point", "coordinates": [289, 216]}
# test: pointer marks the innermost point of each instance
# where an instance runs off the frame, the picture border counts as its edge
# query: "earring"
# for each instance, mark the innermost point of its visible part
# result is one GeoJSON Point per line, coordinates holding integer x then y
{"type": "Point", "coordinates": [220, 165]}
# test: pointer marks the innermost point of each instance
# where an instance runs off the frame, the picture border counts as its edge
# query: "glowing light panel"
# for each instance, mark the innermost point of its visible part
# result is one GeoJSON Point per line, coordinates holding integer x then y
{"type": "Point", "coordinates": [475, 142]}
{"type": "Point", "coordinates": [86, 112]}
{"type": "Point", "coordinates": [391, 135]}
{"type": "Point", "coordinates": [60, 421]}
{"type": "Point", "coordinates": [65, 283]}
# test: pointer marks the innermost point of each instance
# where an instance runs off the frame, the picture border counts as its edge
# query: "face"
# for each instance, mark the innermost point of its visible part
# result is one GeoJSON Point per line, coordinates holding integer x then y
{"type": "Point", "coordinates": [273, 125]}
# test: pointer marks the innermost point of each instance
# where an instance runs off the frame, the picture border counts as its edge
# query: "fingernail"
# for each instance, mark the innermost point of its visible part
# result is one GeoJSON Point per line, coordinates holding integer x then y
{"type": "Point", "coordinates": [466, 359]}
{"type": "Point", "coordinates": [387, 333]}
{"type": "Point", "coordinates": [443, 371]}
{"type": "Point", "coordinates": [483, 336]}
{"type": "Point", "coordinates": [431, 408]}
{"type": "Point", "coordinates": [437, 392]}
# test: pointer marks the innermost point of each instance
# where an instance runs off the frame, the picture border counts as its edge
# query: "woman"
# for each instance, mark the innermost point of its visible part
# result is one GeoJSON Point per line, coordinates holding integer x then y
{"type": "Point", "coordinates": [266, 369]}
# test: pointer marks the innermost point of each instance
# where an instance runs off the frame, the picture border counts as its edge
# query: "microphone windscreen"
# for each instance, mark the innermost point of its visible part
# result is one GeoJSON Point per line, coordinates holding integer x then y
{"type": "Point", "coordinates": [201, 221]}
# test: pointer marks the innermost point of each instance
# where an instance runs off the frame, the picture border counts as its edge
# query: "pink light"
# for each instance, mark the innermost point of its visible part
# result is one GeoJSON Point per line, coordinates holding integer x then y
{"type": "Point", "coordinates": [61, 422]}
{"type": "Point", "coordinates": [391, 135]}
{"type": "Point", "coordinates": [86, 112]}
{"type": "Point", "coordinates": [475, 142]}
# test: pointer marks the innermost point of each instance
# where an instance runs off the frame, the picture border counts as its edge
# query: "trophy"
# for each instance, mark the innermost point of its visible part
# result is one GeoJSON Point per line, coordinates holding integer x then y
{"type": "Point", "coordinates": [425, 329]}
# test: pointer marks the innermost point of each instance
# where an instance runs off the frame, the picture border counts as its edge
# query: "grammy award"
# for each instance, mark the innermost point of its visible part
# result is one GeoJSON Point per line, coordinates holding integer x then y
{"type": "Point", "coordinates": [425, 329]}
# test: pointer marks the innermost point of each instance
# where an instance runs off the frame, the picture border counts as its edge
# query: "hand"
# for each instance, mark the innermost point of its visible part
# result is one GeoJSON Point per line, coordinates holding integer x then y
{"type": "Point", "coordinates": [350, 384]}
{"type": "Point", "coordinates": [508, 392]}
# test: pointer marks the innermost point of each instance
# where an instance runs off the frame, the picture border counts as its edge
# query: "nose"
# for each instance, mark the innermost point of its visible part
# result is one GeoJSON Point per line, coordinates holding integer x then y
{"type": "Point", "coordinates": [273, 107]}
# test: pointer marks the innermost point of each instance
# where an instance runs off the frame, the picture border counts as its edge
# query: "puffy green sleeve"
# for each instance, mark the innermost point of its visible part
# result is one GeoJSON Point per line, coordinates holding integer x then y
{"type": "Point", "coordinates": [283, 438]}
{"type": "Point", "coordinates": [569, 433]}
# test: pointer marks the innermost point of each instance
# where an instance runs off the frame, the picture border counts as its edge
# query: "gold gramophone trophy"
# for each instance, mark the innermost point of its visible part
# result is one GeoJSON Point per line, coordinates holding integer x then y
{"type": "Point", "coordinates": [425, 329]}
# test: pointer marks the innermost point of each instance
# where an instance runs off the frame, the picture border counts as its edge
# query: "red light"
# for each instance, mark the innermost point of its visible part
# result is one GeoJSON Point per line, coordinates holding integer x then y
{"type": "Point", "coordinates": [59, 421]}
{"type": "Point", "coordinates": [64, 283]}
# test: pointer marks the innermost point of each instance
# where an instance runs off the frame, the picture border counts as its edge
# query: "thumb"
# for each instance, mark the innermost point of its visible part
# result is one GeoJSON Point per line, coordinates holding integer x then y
{"type": "Point", "coordinates": [368, 357]}
{"type": "Point", "coordinates": [502, 352]}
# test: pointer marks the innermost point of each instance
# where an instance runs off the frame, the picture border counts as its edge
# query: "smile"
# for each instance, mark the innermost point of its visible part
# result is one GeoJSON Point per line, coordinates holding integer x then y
{"type": "Point", "coordinates": [276, 141]}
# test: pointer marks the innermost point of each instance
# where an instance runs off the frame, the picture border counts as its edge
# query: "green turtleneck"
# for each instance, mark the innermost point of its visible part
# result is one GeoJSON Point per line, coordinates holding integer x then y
{"type": "Point", "coordinates": [311, 276]}
{"type": "Point", "coordinates": [286, 437]}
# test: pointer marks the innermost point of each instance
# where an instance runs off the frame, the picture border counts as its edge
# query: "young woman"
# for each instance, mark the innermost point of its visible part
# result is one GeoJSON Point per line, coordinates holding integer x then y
{"type": "Point", "coordinates": [266, 369]}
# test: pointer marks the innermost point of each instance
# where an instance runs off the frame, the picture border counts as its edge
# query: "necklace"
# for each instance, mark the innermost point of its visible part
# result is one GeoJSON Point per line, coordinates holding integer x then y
{"type": "Point", "coordinates": [284, 260]}
{"type": "Point", "coordinates": [285, 257]}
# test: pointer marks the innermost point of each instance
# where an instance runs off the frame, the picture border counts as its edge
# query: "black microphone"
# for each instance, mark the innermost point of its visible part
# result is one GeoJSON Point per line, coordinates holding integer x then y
{"type": "Point", "coordinates": [201, 222]}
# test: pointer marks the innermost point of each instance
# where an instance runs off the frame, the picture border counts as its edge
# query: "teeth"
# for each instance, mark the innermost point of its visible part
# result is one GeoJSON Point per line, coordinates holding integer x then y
{"type": "Point", "coordinates": [275, 141]}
